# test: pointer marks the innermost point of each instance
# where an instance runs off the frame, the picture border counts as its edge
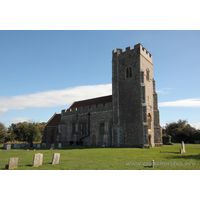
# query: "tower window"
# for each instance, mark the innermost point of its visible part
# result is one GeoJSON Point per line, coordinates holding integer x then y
{"type": "Point", "coordinates": [128, 72]}
{"type": "Point", "coordinates": [148, 75]}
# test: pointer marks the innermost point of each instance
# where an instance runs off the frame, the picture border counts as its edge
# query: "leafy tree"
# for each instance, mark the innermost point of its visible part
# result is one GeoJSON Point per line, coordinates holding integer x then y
{"type": "Point", "coordinates": [27, 131]}
{"type": "Point", "coordinates": [180, 131]}
{"type": "Point", "coordinates": [2, 132]}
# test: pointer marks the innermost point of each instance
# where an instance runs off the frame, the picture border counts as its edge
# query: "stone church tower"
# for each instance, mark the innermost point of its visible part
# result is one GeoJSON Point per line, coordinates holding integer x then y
{"type": "Point", "coordinates": [135, 109]}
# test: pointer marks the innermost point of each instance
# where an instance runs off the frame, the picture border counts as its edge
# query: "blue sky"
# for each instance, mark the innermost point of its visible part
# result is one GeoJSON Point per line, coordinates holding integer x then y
{"type": "Point", "coordinates": [43, 72]}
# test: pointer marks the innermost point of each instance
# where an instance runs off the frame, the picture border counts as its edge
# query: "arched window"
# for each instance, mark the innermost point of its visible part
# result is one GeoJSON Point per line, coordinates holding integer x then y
{"type": "Point", "coordinates": [83, 128]}
{"type": "Point", "coordinates": [128, 72]}
{"type": "Point", "coordinates": [73, 128]}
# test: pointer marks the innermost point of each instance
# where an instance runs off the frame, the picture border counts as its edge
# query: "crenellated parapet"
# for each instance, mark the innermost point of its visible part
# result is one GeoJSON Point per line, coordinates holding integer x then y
{"type": "Point", "coordinates": [86, 109]}
{"type": "Point", "coordinates": [138, 49]}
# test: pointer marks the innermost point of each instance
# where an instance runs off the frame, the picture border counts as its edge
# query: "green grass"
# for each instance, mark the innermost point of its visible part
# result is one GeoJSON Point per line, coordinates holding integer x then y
{"type": "Point", "coordinates": [88, 158]}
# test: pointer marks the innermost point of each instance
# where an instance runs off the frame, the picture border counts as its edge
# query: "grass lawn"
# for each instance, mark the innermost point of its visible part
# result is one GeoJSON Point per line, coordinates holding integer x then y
{"type": "Point", "coordinates": [89, 158]}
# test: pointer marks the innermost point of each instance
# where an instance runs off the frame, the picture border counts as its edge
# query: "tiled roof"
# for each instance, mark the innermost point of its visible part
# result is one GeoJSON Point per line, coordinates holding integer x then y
{"type": "Point", "coordinates": [90, 102]}
{"type": "Point", "coordinates": [55, 120]}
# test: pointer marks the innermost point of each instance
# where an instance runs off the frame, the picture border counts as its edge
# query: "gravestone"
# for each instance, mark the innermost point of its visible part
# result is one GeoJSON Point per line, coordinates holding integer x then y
{"type": "Point", "coordinates": [59, 145]}
{"type": "Point", "coordinates": [181, 151]}
{"type": "Point", "coordinates": [29, 145]}
{"type": "Point", "coordinates": [15, 145]}
{"type": "Point", "coordinates": [13, 162]}
{"type": "Point", "coordinates": [4, 146]}
{"type": "Point", "coordinates": [34, 145]}
{"type": "Point", "coordinates": [183, 147]}
{"type": "Point", "coordinates": [18, 146]}
{"type": "Point", "coordinates": [43, 145]}
{"type": "Point", "coordinates": [56, 158]}
{"type": "Point", "coordinates": [53, 146]}
{"type": "Point", "coordinates": [37, 160]}
{"type": "Point", "coordinates": [22, 145]}
{"type": "Point", "coordinates": [152, 163]}
{"type": "Point", "coordinates": [38, 146]}
{"type": "Point", "coordinates": [8, 146]}
{"type": "Point", "coordinates": [12, 146]}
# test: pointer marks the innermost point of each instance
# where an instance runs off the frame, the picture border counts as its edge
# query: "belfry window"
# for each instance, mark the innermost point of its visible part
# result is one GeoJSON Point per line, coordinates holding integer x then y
{"type": "Point", "coordinates": [128, 72]}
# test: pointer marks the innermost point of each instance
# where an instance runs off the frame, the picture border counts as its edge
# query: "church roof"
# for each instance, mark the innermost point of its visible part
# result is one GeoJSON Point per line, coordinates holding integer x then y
{"type": "Point", "coordinates": [89, 102]}
{"type": "Point", "coordinates": [55, 120]}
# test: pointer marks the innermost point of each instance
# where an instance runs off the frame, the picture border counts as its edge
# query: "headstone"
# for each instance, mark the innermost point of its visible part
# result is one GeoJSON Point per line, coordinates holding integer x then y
{"type": "Point", "coordinates": [18, 146]}
{"type": "Point", "coordinates": [13, 162]}
{"type": "Point", "coordinates": [56, 158]}
{"type": "Point", "coordinates": [183, 147]}
{"type": "Point", "coordinates": [152, 163]}
{"type": "Point", "coordinates": [181, 151]}
{"type": "Point", "coordinates": [53, 146]}
{"type": "Point", "coordinates": [4, 146]}
{"type": "Point", "coordinates": [43, 145]}
{"type": "Point", "coordinates": [15, 145]}
{"type": "Point", "coordinates": [29, 145]}
{"type": "Point", "coordinates": [22, 145]}
{"type": "Point", "coordinates": [59, 145]}
{"type": "Point", "coordinates": [12, 146]}
{"type": "Point", "coordinates": [37, 160]}
{"type": "Point", "coordinates": [34, 145]}
{"type": "Point", "coordinates": [38, 146]}
{"type": "Point", "coordinates": [8, 146]}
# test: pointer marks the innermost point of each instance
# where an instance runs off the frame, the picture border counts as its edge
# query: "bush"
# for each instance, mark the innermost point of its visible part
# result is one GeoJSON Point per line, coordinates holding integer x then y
{"type": "Point", "coordinates": [167, 140]}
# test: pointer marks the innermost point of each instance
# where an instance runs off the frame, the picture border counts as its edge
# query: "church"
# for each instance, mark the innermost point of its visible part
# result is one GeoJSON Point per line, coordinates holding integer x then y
{"type": "Point", "coordinates": [127, 118]}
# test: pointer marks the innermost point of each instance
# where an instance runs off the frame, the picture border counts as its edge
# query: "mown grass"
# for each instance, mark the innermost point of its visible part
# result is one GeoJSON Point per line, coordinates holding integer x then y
{"type": "Point", "coordinates": [89, 158]}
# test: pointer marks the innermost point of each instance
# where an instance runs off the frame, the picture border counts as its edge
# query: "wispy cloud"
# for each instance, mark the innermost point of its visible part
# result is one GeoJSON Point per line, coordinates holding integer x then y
{"type": "Point", "coordinates": [181, 103]}
{"type": "Point", "coordinates": [53, 98]}
{"type": "Point", "coordinates": [164, 91]}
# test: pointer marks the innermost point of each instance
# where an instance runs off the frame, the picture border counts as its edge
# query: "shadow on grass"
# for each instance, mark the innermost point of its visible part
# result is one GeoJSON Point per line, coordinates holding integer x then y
{"type": "Point", "coordinates": [169, 152]}
{"type": "Point", "coordinates": [183, 156]}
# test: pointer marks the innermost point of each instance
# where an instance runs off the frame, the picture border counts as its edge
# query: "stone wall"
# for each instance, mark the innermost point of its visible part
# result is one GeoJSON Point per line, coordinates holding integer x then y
{"type": "Point", "coordinates": [93, 116]}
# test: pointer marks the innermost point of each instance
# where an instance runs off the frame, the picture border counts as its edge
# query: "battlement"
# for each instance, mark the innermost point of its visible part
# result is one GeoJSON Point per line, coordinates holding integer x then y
{"type": "Point", "coordinates": [86, 109]}
{"type": "Point", "coordinates": [138, 48]}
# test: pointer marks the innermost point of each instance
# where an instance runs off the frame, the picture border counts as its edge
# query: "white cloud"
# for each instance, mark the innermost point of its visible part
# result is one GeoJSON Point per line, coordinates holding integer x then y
{"type": "Point", "coordinates": [181, 103]}
{"type": "Point", "coordinates": [20, 119]}
{"type": "Point", "coordinates": [53, 98]}
{"type": "Point", "coordinates": [197, 125]}
{"type": "Point", "coordinates": [164, 91]}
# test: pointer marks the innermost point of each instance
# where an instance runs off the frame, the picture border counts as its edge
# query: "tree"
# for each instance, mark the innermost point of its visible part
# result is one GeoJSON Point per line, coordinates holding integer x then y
{"type": "Point", "coordinates": [2, 132]}
{"type": "Point", "coordinates": [180, 131]}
